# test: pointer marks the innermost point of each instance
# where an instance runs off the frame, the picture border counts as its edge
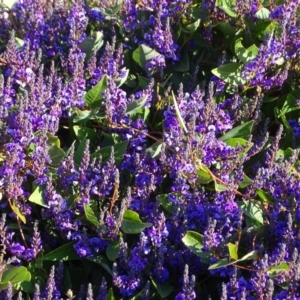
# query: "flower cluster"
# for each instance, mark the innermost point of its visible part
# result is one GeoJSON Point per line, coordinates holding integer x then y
{"type": "Point", "coordinates": [149, 149]}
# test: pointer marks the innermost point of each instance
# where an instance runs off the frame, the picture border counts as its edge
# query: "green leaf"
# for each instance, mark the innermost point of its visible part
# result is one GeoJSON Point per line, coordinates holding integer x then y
{"type": "Point", "coordinates": [94, 97]}
{"type": "Point", "coordinates": [220, 187]}
{"type": "Point", "coordinates": [82, 116]}
{"type": "Point", "coordinates": [14, 275]}
{"type": "Point", "coordinates": [224, 262]}
{"type": "Point", "coordinates": [252, 52]}
{"type": "Point", "coordinates": [155, 149]}
{"type": "Point", "coordinates": [164, 289]}
{"type": "Point", "coordinates": [144, 54]}
{"type": "Point", "coordinates": [182, 65]}
{"type": "Point", "coordinates": [242, 131]}
{"type": "Point", "coordinates": [90, 215]}
{"type": "Point", "coordinates": [194, 241]}
{"type": "Point", "coordinates": [131, 223]}
{"type": "Point", "coordinates": [112, 11]}
{"type": "Point", "coordinates": [264, 196]}
{"type": "Point", "coordinates": [230, 73]}
{"type": "Point", "coordinates": [134, 106]}
{"type": "Point", "coordinates": [8, 3]}
{"type": "Point", "coordinates": [204, 176]}
{"type": "Point", "coordinates": [263, 13]}
{"type": "Point", "coordinates": [102, 261]}
{"type": "Point", "coordinates": [17, 212]}
{"type": "Point", "coordinates": [37, 197]}
{"type": "Point", "coordinates": [235, 142]}
{"type": "Point", "coordinates": [249, 256]}
{"type": "Point", "coordinates": [19, 42]}
{"type": "Point", "coordinates": [164, 201]}
{"type": "Point", "coordinates": [92, 44]}
{"type": "Point", "coordinates": [284, 154]}
{"type": "Point", "coordinates": [226, 6]}
{"type": "Point", "coordinates": [110, 295]}
{"type": "Point", "coordinates": [246, 182]}
{"type": "Point", "coordinates": [112, 250]}
{"type": "Point", "coordinates": [121, 80]}
{"type": "Point", "coordinates": [192, 27]}
{"type": "Point", "coordinates": [53, 140]}
{"type": "Point", "coordinates": [252, 210]}
{"type": "Point", "coordinates": [65, 252]}
{"type": "Point", "coordinates": [219, 264]}
{"type": "Point", "coordinates": [180, 119]}
{"type": "Point", "coordinates": [119, 150]}
{"type": "Point", "coordinates": [84, 133]}
{"type": "Point", "coordinates": [56, 155]}
{"type": "Point", "coordinates": [287, 108]}
{"type": "Point", "coordinates": [245, 55]}
{"type": "Point", "coordinates": [233, 251]}
{"type": "Point", "coordinates": [79, 153]}
{"type": "Point", "coordinates": [281, 268]}
{"type": "Point", "coordinates": [227, 30]}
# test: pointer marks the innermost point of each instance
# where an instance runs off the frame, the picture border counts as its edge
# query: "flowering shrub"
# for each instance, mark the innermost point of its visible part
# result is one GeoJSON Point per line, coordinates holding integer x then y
{"type": "Point", "coordinates": [149, 149]}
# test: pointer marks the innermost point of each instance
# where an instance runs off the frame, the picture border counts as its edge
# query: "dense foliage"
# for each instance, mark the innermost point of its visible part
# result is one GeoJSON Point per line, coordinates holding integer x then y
{"type": "Point", "coordinates": [149, 149]}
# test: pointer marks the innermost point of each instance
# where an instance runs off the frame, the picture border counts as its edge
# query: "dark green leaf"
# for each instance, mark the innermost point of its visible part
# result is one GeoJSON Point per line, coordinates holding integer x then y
{"type": "Point", "coordinates": [227, 30]}
{"type": "Point", "coordinates": [94, 97]}
{"type": "Point", "coordinates": [144, 54]}
{"type": "Point", "coordinates": [242, 131]}
{"type": "Point", "coordinates": [112, 251]}
{"type": "Point", "coordinates": [134, 106]}
{"type": "Point", "coordinates": [219, 264]}
{"type": "Point", "coordinates": [246, 182]}
{"type": "Point", "coordinates": [90, 215]}
{"type": "Point", "coordinates": [183, 65]}
{"type": "Point", "coordinates": [164, 289]}
{"type": "Point", "coordinates": [132, 224]}
{"type": "Point", "coordinates": [102, 261]}
{"type": "Point", "coordinates": [164, 201]}
{"type": "Point", "coordinates": [119, 150]}
{"type": "Point", "coordinates": [65, 252]}
{"type": "Point", "coordinates": [79, 153]}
